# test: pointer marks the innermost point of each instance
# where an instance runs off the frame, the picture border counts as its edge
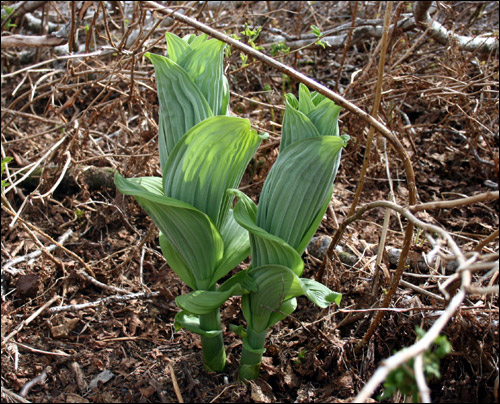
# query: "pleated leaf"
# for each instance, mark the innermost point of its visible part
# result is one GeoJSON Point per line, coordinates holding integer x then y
{"type": "Point", "coordinates": [176, 262]}
{"type": "Point", "coordinates": [311, 115]}
{"type": "Point", "coordinates": [236, 247]}
{"type": "Point", "coordinates": [182, 104]}
{"type": "Point", "coordinates": [204, 301]}
{"type": "Point", "coordinates": [189, 231]}
{"type": "Point", "coordinates": [325, 118]}
{"type": "Point", "coordinates": [296, 125]}
{"type": "Point", "coordinates": [204, 66]}
{"type": "Point", "coordinates": [266, 248]}
{"type": "Point", "coordinates": [209, 159]}
{"type": "Point", "coordinates": [306, 105]}
{"type": "Point", "coordinates": [275, 285]}
{"type": "Point", "coordinates": [319, 294]}
{"type": "Point", "coordinates": [287, 308]}
{"type": "Point", "coordinates": [191, 322]}
{"type": "Point", "coordinates": [177, 48]}
{"type": "Point", "coordinates": [297, 187]}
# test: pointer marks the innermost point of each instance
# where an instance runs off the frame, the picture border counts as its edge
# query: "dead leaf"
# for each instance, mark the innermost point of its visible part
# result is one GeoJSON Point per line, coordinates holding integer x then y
{"type": "Point", "coordinates": [63, 330]}
{"type": "Point", "coordinates": [262, 392]}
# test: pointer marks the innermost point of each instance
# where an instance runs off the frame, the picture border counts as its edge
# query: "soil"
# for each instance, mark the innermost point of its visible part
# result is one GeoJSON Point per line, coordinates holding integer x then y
{"type": "Point", "coordinates": [440, 102]}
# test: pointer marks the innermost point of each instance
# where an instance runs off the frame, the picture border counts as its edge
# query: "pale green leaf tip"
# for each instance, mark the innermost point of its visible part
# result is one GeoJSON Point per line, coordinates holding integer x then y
{"type": "Point", "coordinates": [238, 330]}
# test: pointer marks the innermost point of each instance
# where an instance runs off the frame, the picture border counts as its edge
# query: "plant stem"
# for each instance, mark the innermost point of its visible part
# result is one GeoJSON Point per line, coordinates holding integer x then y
{"type": "Point", "coordinates": [214, 354]}
{"type": "Point", "coordinates": [251, 355]}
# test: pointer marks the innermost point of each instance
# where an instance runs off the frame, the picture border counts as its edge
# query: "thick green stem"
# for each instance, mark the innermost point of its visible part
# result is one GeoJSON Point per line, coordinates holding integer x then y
{"type": "Point", "coordinates": [214, 354]}
{"type": "Point", "coordinates": [251, 355]}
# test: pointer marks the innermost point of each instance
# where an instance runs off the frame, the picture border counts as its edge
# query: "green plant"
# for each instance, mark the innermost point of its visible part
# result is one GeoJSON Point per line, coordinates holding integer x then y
{"type": "Point", "coordinates": [300, 356]}
{"type": "Point", "coordinates": [5, 161]}
{"type": "Point", "coordinates": [7, 12]}
{"type": "Point", "coordinates": [403, 377]}
{"type": "Point", "coordinates": [252, 35]}
{"type": "Point", "coordinates": [293, 201]}
{"type": "Point", "coordinates": [316, 31]}
{"type": "Point", "coordinates": [199, 237]}
{"type": "Point", "coordinates": [202, 155]}
{"type": "Point", "coordinates": [279, 47]}
{"type": "Point", "coordinates": [191, 86]}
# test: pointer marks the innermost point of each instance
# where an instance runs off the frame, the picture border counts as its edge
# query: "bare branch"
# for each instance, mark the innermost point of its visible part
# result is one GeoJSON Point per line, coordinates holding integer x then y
{"type": "Point", "coordinates": [28, 41]}
{"type": "Point", "coordinates": [440, 34]}
{"type": "Point", "coordinates": [104, 300]}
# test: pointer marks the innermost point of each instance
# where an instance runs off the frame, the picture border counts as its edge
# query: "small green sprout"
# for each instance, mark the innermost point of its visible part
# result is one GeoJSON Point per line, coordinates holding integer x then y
{"type": "Point", "coordinates": [8, 14]}
{"type": "Point", "coordinates": [316, 31]}
{"type": "Point", "coordinates": [5, 161]}
{"type": "Point", "coordinates": [252, 35]}
{"type": "Point", "coordinates": [403, 377]}
{"type": "Point", "coordinates": [280, 47]}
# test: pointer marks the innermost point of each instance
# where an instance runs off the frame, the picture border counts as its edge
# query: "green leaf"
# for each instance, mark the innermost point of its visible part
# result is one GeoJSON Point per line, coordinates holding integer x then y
{"type": "Point", "coordinates": [176, 262]}
{"type": "Point", "coordinates": [315, 30]}
{"type": "Point", "coordinates": [191, 323]}
{"type": "Point", "coordinates": [296, 125]}
{"type": "Point", "coordinates": [277, 288]}
{"type": "Point", "coordinates": [325, 118]}
{"type": "Point", "coordinates": [177, 48]}
{"type": "Point", "coordinates": [238, 330]}
{"type": "Point", "coordinates": [265, 247]}
{"type": "Point", "coordinates": [308, 235]}
{"type": "Point", "coordinates": [287, 308]}
{"type": "Point", "coordinates": [182, 104]}
{"type": "Point", "coordinates": [209, 159]}
{"type": "Point", "coordinates": [305, 103]}
{"type": "Point", "coordinates": [188, 230]}
{"type": "Point", "coordinates": [243, 278]}
{"type": "Point", "coordinates": [310, 116]}
{"type": "Point", "coordinates": [196, 41]}
{"type": "Point", "coordinates": [275, 285]}
{"type": "Point", "coordinates": [236, 247]}
{"type": "Point", "coordinates": [205, 67]}
{"type": "Point", "coordinates": [297, 186]}
{"type": "Point", "coordinates": [205, 301]}
{"type": "Point", "coordinates": [319, 294]}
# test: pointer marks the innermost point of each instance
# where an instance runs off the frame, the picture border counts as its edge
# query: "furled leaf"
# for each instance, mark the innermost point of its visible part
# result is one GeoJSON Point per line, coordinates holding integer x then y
{"type": "Point", "coordinates": [266, 248]}
{"type": "Point", "coordinates": [275, 285]}
{"type": "Point", "coordinates": [297, 186]}
{"type": "Point", "coordinates": [319, 294]}
{"type": "Point", "coordinates": [296, 125]}
{"type": "Point", "coordinates": [236, 247]}
{"type": "Point", "coordinates": [311, 115]}
{"type": "Point", "coordinates": [177, 48]}
{"type": "Point", "coordinates": [176, 262]}
{"type": "Point", "coordinates": [305, 103]}
{"type": "Point", "coordinates": [205, 67]}
{"type": "Point", "coordinates": [210, 158]}
{"type": "Point", "coordinates": [325, 118]}
{"type": "Point", "coordinates": [191, 322]}
{"type": "Point", "coordinates": [188, 230]}
{"type": "Point", "coordinates": [204, 301]}
{"type": "Point", "coordinates": [182, 104]}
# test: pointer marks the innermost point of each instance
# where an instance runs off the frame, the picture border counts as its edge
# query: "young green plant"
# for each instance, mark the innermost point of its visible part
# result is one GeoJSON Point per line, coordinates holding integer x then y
{"type": "Point", "coordinates": [293, 201]}
{"type": "Point", "coordinates": [202, 155]}
{"type": "Point", "coordinates": [191, 86]}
